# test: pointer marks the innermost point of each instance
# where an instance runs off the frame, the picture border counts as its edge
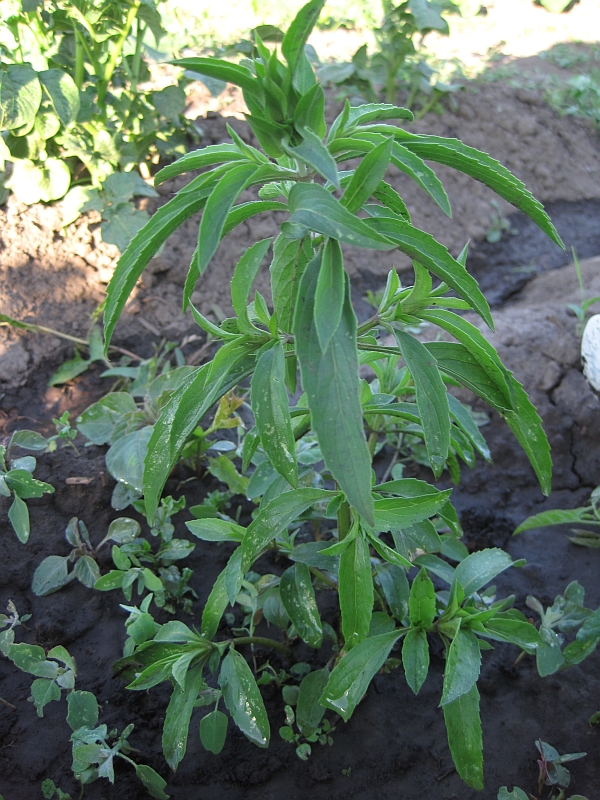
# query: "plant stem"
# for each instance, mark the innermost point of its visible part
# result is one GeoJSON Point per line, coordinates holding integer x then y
{"type": "Point", "coordinates": [344, 521]}
{"type": "Point", "coordinates": [7, 704]}
{"type": "Point", "coordinates": [115, 56]}
{"type": "Point", "coordinates": [322, 577]}
{"type": "Point", "coordinates": [137, 58]}
{"type": "Point", "coordinates": [79, 69]}
{"type": "Point", "coordinates": [263, 640]}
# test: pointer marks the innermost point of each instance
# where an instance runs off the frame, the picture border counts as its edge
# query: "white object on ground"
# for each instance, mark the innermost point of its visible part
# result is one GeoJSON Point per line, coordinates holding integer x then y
{"type": "Point", "coordinates": [590, 352]}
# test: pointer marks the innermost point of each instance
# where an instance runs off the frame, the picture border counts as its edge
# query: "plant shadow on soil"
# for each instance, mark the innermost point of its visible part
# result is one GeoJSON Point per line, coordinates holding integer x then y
{"type": "Point", "coordinates": [395, 744]}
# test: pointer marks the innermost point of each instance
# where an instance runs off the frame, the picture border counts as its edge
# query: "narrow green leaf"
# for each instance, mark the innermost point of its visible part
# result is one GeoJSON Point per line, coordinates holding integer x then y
{"type": "Point", "coordinates": [140, 250]}
{"type": "Point", "coordinates": [216, 604]}
{"type": "Point", "coordinates": [331, 383]}
{"type": "Point", "coordinates": [309, 712]}
{"type": "Point", "coordinates": [422, 601]}
{"type": "Point", "coordinates": [453, 153]}
{"type": "Point", "coordinates": [462, 666]}
{"type": "Point", "coordinates": [18, 514]}
{"type": "Point", "coordinates": [198, 159]}
{"type": "Point", "coordinates": [296, 35]}
{"type": "Point", "coordinates": [350, 679]}
{"type": "Point", "coordinates": [187, 405]}
{"type": "Point", "coordinates": [244, 211]}
{"type": "Point", "coordinates": [216, 530]}
{"type": "Point", "coordinates": [367, 177]}
{"type": "Point", "coordinates": [213, 731]}
{"type": "Point", "coordinates": [310, 111]}
{"type": "Point", "coordinates": [215, 213]}
{"type": "Point", "coordinates": [312, 205]}
{"type": "Point", "coordinates": [424, 176]}
{"type": "Point", "coordinates": [432, 400]}
{"type": "Point", "coordinates": [415, 658]}
{"type": "Point", "coordinates": [480, 568]}
{"type": "Point", "coordinates": [243, 699]}
{"type": "Point", "coordinates": [461, 415]}
{"type": "Point", "coordinates": [423, 248]}
{"type": "Point", "coordinates": [298, 598]}
{"type": "Point", "coordinates": [314, 153]}
{"type": "Point", "coordinates": [570, 516]}
{"type": "Point", "coordinates": [395, 588]}
{"type": "Point", "coordinates": [178, 716]}
{"type": "Point", "coordinates": [290, 257]}
{"type": "Point", "coordinates": [355, 588]}
{"type": "Point", "coordinates": [330, 292]}
{"type": "Point", "coordinates": [244, 276]}
{"type": "Point", "coordinates": [152, 781]}
{"type": "Point", "coordinates": [275, 516]}
{"type": "Point", "coordinates": [271, 411]}
{"type": "Point", "coordinates": [223, 71]}
{"type": "Point", "coordinates": [463, 724]}
{"type": "Point", "coordinates": [398, 513]}
{"type": "Point", "coordinates": [391, 200]}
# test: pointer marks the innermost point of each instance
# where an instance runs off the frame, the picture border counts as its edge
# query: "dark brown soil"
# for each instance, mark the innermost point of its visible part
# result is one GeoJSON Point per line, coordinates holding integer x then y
{"type": "Point", "coordinates": [395, 744]}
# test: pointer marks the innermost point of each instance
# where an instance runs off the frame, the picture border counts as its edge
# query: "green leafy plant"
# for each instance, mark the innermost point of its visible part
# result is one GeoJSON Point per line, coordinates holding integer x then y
{"type": "Point", "coordinates": [579, 96]}
{"type": "Point", "coordinates": [17, 481]}
{"type": "Point", "coordinates": [72, 110]}
{"type": "Point", "coordinates": [397, 62]}
{"type": "Point", "coordinates": [380, 530]}
{"type": "Point", "coordinates": [588, 515]}
{"type": "Point", "coordinates": [585, 303]}
{"type": "Point", "coordinates": [10, 621]}
{"type": "Point", "coordinates": [499, 224]}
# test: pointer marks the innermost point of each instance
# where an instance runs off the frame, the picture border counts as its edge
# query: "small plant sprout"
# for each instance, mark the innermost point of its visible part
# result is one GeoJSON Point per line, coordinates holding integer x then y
{"type": "Point", "coordinates": [585, 303]}
{"type": "Point", "coordinates": [586, 515]}
{"type": "Point", "coordinates": [552, 771]}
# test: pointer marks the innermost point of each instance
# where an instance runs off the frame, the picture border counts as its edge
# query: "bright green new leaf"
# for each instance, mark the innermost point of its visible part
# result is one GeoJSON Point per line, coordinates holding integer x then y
{"type": "Point", "coordinates": [463, 724]}
{"type": "Point", "coordinates": [421, 602]}
{"type": "Point", "coordinates": [213, 731]}
{"type": "Point", "coordinates": [271, 412]}
{"type": "Point", "coordinates": [331, 383]}
{"type": "Point", "coordinates": [298, 597]}
{"type": "Point", "coordinates": [350, 679]}
{"type": "Point", "coordinates": [415, 658]}
{"type": "Point", "coordinates": [223, 71]}
{"type": "Point", "coordinates": [178, 716]}
{"type": "Point", "coordinates": [244, 276]}
{"type": "Point", "coordinates": [243, 699]}
{"type": "Point", "coordinates": [330, 293]}
{"type": "Point", "coordinates": [355, 588]}
{"type": "Point", "coordinates": [432, 400]}
{"type": "Point", "coordinates": [462, 666]}
{"type": "Point", "coordinates": [198, 159]}
{"type": "Point", "coordinates": [295, 38]}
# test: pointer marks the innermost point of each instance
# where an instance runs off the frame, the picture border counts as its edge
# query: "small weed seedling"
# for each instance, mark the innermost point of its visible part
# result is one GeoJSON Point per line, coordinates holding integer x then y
{"type": "Point", "coordinates": [587, 515]}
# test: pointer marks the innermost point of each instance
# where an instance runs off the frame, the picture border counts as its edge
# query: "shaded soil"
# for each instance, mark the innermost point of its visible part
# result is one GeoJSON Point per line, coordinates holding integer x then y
{"type": "Point", "coordinates": [395, 744]}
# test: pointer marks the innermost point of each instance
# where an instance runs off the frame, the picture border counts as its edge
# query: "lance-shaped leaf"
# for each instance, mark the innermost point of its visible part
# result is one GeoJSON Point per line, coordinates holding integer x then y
{"type": "Point", "coordinates": [309, 712]}
{"type": "Point", "coordinates": [421, 602]}
{"type": "Point", "coordinates": [394, 585]}
{"type": "Point", "coordinates": [18, 514]}
{"type": "Point", "coordinates": [355, 588]}
{"type": "Point", "coordinates": [178, 716]}
{"type": "Point", "coordinates": [453, 153]}
{"type": "Point", "coordinates": [217, 208]}
{"type": "Point", "coordinates": [481, 350]}
{"type": "Point", "coordinates": [290, 257]}
{"type": "Point", "coordinates": [141, 249]}
{"type": "Point", "coordinates": [186, 407]}
{"type": "Point", "coordinates": [458, 362]}
{"type": "Point", "coordinates": [198, 159]}
{"type": "Point", "coordinates": [313, 206]}
{"type": "Point", "coordinates": [350, 679]}
{"type": "Point", "coordinates": [298, 597]}
{"type": "Point", "coordinates": [423, 175]}
{"type": "Point", "coordinates": [432, 400]}
{"type": "Point", "coordinates": [423, 248]}
{"type": "Point", "coordinates": [571, 516]}
{"type": "Point", "coordinates": [224, 71]}
{"type": "Point", "coordinates": [275, 516]}
{"type": "Point", "coordinates": [244, 211]}
{"type": "Point", "coordinates": [329, 296]}
{"type": "Point", "coordinates": [331, 383]}
{"type": "Point", "coordinates": [215, 606]}
{"type": "Point", "coordinates": [314, 153]}
{"type": "Point", "coordinates": [397, 513]}
{"type": "Point", "coordinates": [462, 666]}
{"type": "Point", "coordinates": [480, 568]}
{"type": "Point", "coordinates": [271, 412]}
{"type": "Point", "coordinates": [371, 112]}
{"type": "Point", "coordinates": [463, 725]}
{"type": "Point", "coordinates": [243, 699]}
{"type": "Point", "coordinates": [296, 35]}
{"type": "Point", "coordinates": [415, 658]}
{"type": "Point", "coordinates": [367, 177]}
{"type": "Point", "coordinates": [244, 276]}
{"type": "Point", "coordinates": [467, 424]}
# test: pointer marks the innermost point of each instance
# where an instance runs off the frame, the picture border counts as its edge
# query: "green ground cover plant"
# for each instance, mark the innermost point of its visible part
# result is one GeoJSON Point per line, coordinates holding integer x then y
{"type": "Point", "coordinates": [378, 545]}
{"type": "Point", "coordinates": [75, 116]}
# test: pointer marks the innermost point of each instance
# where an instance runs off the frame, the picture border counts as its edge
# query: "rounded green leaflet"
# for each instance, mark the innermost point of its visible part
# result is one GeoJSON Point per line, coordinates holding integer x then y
{"type": "Point", "coordinates": [298, 598]}
{"type": "Point", "coordinates": [213, 731]}
{"type": "Point", "coordinates": [20, 96]}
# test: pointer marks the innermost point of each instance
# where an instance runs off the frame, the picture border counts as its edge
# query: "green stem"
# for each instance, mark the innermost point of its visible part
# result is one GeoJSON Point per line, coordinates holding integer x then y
{"type": "Point", "coordinates": [322, 577]}
{"type": "Point", "coordinates": [137, 58]}
{"type": "Point", "coordinates": [344, 520]}
{"type": "Point", "coordinates": [78, 60]}
{"type": "Point", "coordinates": [263, 640]}
{"type": "Point", "coordinates": [116, 55]}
